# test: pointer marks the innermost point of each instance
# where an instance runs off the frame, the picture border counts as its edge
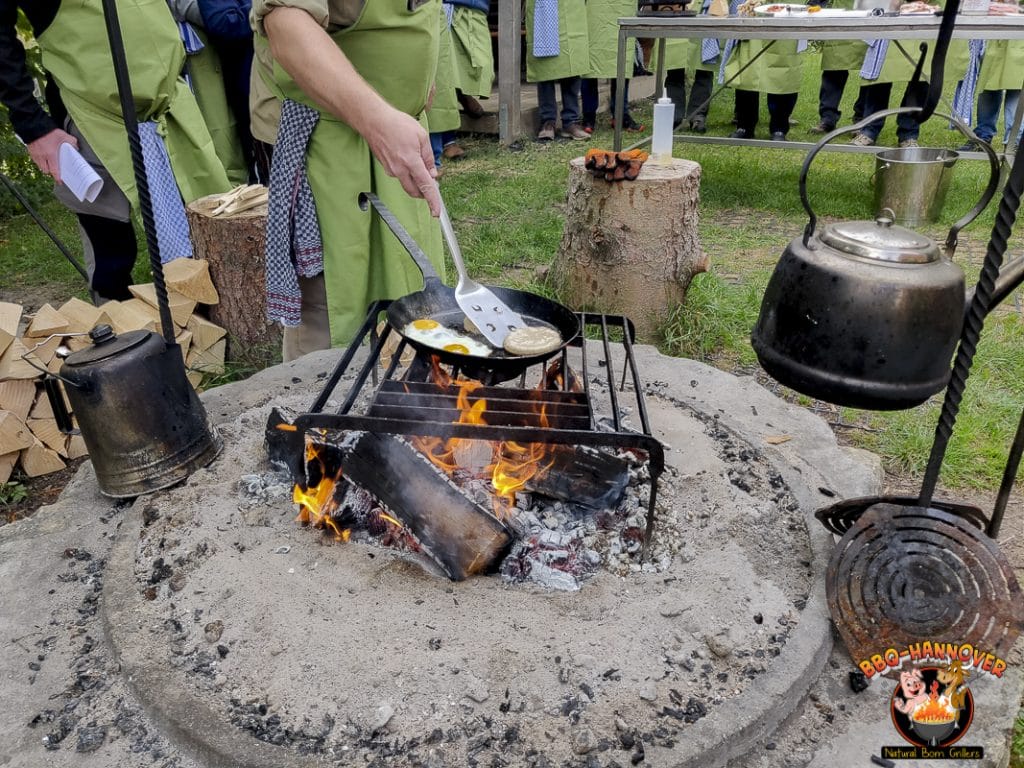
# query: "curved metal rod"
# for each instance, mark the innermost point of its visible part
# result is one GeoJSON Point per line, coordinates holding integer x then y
{"type": "Point", "coordinates": [981, 304]}
{"type": "Point", "coordinates": [951, 239]}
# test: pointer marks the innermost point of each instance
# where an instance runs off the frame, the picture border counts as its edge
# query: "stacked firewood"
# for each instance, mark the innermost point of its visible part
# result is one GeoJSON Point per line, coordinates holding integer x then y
{"type": "Point", "coordinates": [29, 345]}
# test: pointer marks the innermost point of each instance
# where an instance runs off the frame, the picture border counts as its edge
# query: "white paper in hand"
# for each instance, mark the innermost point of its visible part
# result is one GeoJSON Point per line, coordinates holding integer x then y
{"type": "Point", "coordinates": [77, 175]}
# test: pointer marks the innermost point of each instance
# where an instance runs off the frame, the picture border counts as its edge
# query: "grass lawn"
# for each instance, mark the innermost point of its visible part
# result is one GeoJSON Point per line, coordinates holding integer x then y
{"type": "Point", "coordinates": [508, 204]}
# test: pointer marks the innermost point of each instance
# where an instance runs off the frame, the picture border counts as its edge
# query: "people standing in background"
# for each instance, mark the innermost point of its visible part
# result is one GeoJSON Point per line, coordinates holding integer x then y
{"type": "Point", "coordinates": [181, 163]}
{"type": "Point", "coordinates": [999, 79]}
{"type": "Point", "coordinates": [473, 58]}
{"type": "Point", "coordinates": [776, 73]}
{"type": "Point", "coordinates": [838, 58]}
{"type": "Point", "coordinates": [264, 108]}
{"type": "Point", "coordinates": [699, 58]}
{"type": "Point", "coordinates": [557, 52]}
{"type": "Point", "coordinates": [209, 80]}
{"type": "Point", "coordinates": [443, 113]}
{"type": "Point", "coordinates": [603, 37]}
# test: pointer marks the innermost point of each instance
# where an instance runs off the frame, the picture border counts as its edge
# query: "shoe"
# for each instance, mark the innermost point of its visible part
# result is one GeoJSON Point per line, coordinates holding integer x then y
{"type": "Point", "coordinates": [629, 124]}
{"type": "Point", "coordinates": [453, 151]}
{"type": "Point", "coordinates": [822, 127]}
{"type": "Point", "coordinates": [697, 125]}
{"type": "Point", "coordinates": [547, 131]}
{"type": "Point", "coordinates": [909, 144]}
{"type": "Point", "coordinates": [970, 146]}
{"type": "Point", "coordinates": [862, 140]}
{"type": "Point", "coordinates": [471, 106]}
{"type": "Point", "coordinates": [741, 133]}
{"type": "Point", "coordinates": [589, 122]}
{"type": "Point", "coordinates": [574, 131]}
{"type": "Point", "coordinates": [778, 136]}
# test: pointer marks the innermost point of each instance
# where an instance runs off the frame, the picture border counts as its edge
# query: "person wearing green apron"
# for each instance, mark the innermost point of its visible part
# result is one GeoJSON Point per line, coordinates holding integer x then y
{"type": "Point", "coordinates": [889, 62]}
{"type": "Point", "coordinates": [443, 116]}
{"type": "Point", "coordinates": [700, 58]}
{"type": "Point", "coordinates": [366, 71]}
{"type": "Point", "coordinates": [603, 35]}
{"type": "Point", "coordinates": [557, 51]}
{"type": "Point", "coordinates": [775, 72]}
{"type": "Point", "coordinates": [72, 38]}
{"type": "Point", "coordinates": [838, 59]}
{"type": "Point", "coordinates": [473, 59]}
{"type": "Point", "coordinates": [1001, 77]}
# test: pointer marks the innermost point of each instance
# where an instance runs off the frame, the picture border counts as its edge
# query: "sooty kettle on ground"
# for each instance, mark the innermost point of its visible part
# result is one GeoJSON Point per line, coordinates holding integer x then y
{"type": "Point", "coordinates": [140, 418]}
{"type": "Point", "coordinates": [865, 314]}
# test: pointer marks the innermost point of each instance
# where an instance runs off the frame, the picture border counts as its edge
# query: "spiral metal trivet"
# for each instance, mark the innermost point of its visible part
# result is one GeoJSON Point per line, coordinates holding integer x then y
{"type": "Point", "coordinates": [840, 517]}
{"type": "Point", "coordinates": [903, 574]}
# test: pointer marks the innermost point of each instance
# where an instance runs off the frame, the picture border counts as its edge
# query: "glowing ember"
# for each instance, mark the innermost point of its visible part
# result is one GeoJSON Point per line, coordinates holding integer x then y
{"type": "Point", "coordinates": [934, 711]}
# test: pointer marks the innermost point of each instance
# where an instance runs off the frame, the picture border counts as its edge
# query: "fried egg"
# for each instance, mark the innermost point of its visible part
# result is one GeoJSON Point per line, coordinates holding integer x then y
{"type": "Point", "coordinates": [432, 334]}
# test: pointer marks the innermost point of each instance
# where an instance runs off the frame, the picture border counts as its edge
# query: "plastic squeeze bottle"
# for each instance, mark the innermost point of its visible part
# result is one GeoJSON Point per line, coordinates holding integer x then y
{"type": "Point", "coordinates": [661, 140]}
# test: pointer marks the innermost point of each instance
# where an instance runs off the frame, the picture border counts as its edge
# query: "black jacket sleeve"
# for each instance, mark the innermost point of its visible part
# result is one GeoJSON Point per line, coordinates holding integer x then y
{"type": "Point", "coordinates": [27, 115]}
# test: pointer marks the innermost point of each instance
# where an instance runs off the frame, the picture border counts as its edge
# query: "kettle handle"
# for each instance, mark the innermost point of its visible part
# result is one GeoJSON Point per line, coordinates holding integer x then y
{"type": "Point", "coordinates": [951, 238]}
{"type": "Point", "coordinates": [57, 405]}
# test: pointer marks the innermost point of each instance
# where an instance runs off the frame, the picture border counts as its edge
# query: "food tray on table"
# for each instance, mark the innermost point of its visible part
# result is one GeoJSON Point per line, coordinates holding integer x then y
{"type": "Point", "coordinates": [793, 9]}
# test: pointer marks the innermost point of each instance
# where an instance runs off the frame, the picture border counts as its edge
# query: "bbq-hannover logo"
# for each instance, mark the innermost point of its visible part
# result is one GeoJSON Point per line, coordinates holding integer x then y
{"type": "Point", "coordinates": [932, 707]}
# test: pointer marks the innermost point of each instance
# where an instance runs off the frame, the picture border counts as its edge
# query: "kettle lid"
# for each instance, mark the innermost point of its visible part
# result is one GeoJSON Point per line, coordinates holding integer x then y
{"type": "Point", "coordinates": [883, 240]}
{"type": "Point", "coordinates": [105, 344]}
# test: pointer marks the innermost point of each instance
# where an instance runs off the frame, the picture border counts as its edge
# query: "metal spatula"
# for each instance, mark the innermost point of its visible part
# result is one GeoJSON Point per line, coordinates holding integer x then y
{"type": "Point", "coordinates": [486, 311]}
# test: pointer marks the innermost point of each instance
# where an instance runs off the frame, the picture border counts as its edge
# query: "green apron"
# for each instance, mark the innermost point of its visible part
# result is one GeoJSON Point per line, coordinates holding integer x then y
{"type": "Point", "coordinates": [443, 114]}
{"type": "Point", "coordinates": [471, 45]}
{"type": "Point", "coordinates": [1002, 67]}
{"type": "Point", "coordinates": [603, 35]}
{"type": "Point", "coordinates": [842, 54]}
{"type": "Point", "coordinates": [684, 54]}
{"type": "Point", "coordinates": [574, 56]}
{"type": "Point", "coordinates": [777, 70]}
{"type": "Point", "coordinates": [84, 72]}
{"type": "Point", "coordinates": [395, 52]}
{"type": "Point", "coordinates": [206, 73]}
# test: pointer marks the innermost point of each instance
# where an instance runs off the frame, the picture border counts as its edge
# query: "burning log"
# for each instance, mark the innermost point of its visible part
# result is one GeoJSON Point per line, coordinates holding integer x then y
{"type": "Point", "coordinates": [463, 537]}
{"type": "Point", "coordinates": [592, 479]}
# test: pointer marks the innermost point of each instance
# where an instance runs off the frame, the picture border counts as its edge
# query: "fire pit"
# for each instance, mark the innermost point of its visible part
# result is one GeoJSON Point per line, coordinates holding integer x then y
{"type": "Point", "coordinates": [282, 646]}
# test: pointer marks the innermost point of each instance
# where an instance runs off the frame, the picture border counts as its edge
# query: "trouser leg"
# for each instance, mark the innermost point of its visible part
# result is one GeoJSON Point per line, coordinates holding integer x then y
{"type": "Point", "coordinates": [907, 126]}
{"type": "Point", "coordinates": [780, 108]}
{"type": "Point", "coordinates": [876, 99]}
{"type": "Point", "coordinates": [1009, 114]}
{"type": "Point", "coordinates": [570, 88]}
{"type": "Point", "coordinates": [746, 111]}
{"type": "Point", "coordinates": [989, 103]}
{"type": "Point", "coordinates": [700, 95]}
{"type": "Point", "coordinates": [589, 99]}
{"type": "Point", "coordinates": [675, 87]}
{"type": "Point", "coordinates": [833, 83]}
{"type": "Point", "coordinates": [314, 332]}
{"type": "Point", "coordinates": [547, 108]}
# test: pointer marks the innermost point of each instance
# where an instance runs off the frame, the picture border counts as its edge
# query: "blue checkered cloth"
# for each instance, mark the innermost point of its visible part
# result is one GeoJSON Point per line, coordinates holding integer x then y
{"type": "Point", "coordinates": [963, 96]}
{"type": "Point", "coordinates": [546, 41]}
{"type": "Point", "coordinates": [172, 233]}
{"type": "Point", "coordinates": [189, 38]}
{"type": "Point", "coordinates": [294, 248]}
{"type": "Point", "coordinates": [874, 59]}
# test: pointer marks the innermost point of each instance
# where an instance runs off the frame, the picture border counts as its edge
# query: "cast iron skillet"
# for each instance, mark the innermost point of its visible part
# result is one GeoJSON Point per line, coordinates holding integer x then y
{"type": "Point", "coordinates": [437, 302]}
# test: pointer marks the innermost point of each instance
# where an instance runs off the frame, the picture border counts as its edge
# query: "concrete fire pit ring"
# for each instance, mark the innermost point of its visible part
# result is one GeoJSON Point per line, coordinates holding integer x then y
{"type": "Point", "coordinates": [808, 460]}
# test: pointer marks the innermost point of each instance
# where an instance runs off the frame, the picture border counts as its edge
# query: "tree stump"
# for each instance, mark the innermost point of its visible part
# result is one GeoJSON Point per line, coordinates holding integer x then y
{"type": "Point", "coordinates": [234, 246]}
{"type": "Point", "coordinates": [631, 247]}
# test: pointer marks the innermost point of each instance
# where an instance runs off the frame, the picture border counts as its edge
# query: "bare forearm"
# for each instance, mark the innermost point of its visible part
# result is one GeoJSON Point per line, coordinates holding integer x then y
{"type": "Point", "coordinates": [306, 52]}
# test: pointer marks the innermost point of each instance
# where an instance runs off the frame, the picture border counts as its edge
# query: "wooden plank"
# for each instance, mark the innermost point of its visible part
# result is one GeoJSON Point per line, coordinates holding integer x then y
{"type": "Point", "coordinates": [17, 396]}
{"type": "Point", "coordinates": [510, 20]}
{"type": "Point", "coordinates": [14, 434]}
{"type": "Point", "coordinates": [463, 537]}
{"type": "Point", "coordinates": [38, 460]}
{"type": "Point", "coordinates": [191, 278]}
{"type": "Point", "coordinates": [204, 332]}
{"type": "Point", "coordinates": [10, 317]}
{"type": "Point", "coordinates": [45, 322]}
{"type": "Point", "coordinates": [181, 306]}
{"type": "Point", "coordinates": [7, 462]}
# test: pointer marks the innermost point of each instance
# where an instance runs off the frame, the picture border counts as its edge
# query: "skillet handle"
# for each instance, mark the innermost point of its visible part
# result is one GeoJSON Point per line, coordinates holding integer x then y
{"type": "Point", "coordinates": [410, 245]}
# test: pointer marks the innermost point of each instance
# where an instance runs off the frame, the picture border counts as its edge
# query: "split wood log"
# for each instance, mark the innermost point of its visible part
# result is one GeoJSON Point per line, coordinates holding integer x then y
{"type": "Point", "coordinates": [631, 247]}
{"type": "Point", "coordinates": [14, 434]}
{"type": "Point", "coordinates": [76, 447]}
{"type": "Point", "coordinates": [591, 479]}
{"type": "Point", "coordinates": [132, 315]}
{"type": "Point", "coordinates": [38, 460]}
{"type": "Point", "coordinates": [7, 462]}
{"type": "Point", "coordinates": [191, 278]}
{"type": "Point", "coordinates": [181, 306]}
{"type": "Point", "coordinates": [82, 317]}
{"type": "Point", "coordinates": [17, 395]}
{"type": "Point", "coordinates": [234, 245]}
{"type": "Point", "coordinates": [45, 322]}
{"type": "Point", "coordinates": [10, 316]}
{"type": "Point", "coordinates": [459, 534]}
{"type": "Point", "coordinates": [13, 364]}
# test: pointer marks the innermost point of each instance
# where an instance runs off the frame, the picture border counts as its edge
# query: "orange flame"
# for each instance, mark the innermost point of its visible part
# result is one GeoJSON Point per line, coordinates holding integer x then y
{"type": "Point", "coordinates": [511, 466]}
{"type": "Point", "coordinates": [934, 711]}
{"type": "Point", "coordinates": [317, 505]}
